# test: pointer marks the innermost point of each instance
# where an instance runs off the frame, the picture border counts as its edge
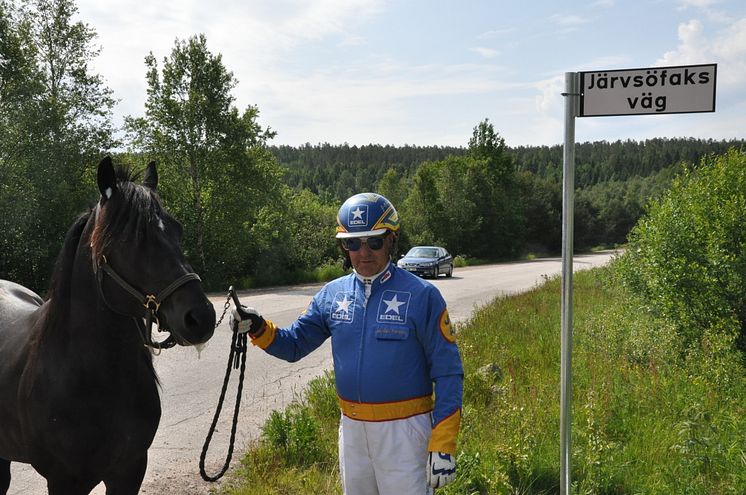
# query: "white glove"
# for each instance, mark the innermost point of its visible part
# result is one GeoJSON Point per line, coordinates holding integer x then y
{"type": "Point", "coordinates": [245, 319]}
{"type": "Point", "coordinates": [441, 469]}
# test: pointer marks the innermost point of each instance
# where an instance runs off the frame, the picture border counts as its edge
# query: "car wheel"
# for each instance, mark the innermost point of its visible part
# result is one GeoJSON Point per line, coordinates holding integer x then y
{"type": "Point", "coordinates": [450, 272]}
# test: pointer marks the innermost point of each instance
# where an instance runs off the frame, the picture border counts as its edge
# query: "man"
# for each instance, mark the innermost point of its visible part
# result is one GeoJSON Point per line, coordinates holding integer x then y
{"type": "Point", "coordinates": [392, 346]}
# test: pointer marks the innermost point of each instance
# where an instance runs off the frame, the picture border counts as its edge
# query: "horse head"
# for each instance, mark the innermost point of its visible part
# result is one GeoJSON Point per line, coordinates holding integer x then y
{"type": "Point", "coordinates": [140, 268]}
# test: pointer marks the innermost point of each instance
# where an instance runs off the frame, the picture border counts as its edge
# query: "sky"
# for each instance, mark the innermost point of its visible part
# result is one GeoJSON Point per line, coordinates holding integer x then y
{"type": "Point", "coordinates": [427, 72]}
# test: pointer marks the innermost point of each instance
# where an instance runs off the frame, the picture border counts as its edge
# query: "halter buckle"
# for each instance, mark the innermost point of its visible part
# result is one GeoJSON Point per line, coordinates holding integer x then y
{"type": "Point", "coordinates": [151, 303]}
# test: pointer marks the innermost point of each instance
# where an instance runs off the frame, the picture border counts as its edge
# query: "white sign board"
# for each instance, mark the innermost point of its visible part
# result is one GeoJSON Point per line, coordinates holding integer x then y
{"type": "Point", "coordinates": [656, 90]}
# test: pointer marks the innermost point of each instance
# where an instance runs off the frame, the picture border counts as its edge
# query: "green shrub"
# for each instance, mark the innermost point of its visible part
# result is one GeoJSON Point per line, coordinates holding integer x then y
{"type": "Point", "coordinates": [461, 261]}
{"type": "Point", "coordinates": [329, 270]}
{"type": "Point", "coordinates": [321, 397]}
{"type": "Point", "coordinates": [295, 433]}
{"type": "Point", "coordinates": [687, 257]}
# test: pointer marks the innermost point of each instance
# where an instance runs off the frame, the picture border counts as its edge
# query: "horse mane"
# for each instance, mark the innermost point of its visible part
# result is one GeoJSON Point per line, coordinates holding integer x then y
{"type": "Point", "coordinates": [58, 296]}
{"type": "Point", "coordinates": [130, 214]}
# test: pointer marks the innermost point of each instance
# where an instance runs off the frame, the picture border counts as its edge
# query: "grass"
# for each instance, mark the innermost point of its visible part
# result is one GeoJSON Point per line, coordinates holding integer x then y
{"type": "Point", "coordinates": [649, 417]}
{"type": "Point", "coordinates": [297, 452]}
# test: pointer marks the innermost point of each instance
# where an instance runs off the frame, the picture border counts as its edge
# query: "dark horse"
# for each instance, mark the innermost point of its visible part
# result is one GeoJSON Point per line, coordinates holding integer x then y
{"type": "Point", "coordinates": [78, 393]}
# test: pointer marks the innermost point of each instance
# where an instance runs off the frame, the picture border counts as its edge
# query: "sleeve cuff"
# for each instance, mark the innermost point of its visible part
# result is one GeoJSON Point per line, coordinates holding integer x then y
{"type": "Point", "coordinates": [444, 434]}
{"type": "Point", "coordinates": [266, 336]}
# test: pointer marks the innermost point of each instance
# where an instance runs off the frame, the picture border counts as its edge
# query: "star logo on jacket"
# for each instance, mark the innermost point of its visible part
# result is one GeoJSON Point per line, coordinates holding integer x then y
{"type": "Point", "coordinates": [393, 307]}
{"type": "Point", "coordinates": [359, 216]}
{"type": "Point", "coordinates": [342, 308]}
{"type": "Point", "coordinates": [343, 305]}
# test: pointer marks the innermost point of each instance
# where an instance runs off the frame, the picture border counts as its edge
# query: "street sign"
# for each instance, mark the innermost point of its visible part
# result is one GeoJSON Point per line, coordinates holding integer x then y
{"type": "Point", "coordinates": [651, 91]}
{"type": "Point", "coordinates": [657, 90]}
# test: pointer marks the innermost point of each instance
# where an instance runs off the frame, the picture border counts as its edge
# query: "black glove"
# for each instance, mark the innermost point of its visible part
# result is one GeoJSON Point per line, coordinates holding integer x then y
{"type": "Point", "coordinates": [245, 319]}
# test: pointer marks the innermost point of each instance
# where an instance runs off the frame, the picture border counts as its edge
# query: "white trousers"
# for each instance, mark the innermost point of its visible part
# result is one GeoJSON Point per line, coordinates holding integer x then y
{"type": "Point", "coordinates": [384, 458]}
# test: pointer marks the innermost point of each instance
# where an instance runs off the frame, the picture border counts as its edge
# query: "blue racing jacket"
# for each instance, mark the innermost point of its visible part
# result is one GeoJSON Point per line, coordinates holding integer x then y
{"type": "Point", "coordinates": [391, 352]}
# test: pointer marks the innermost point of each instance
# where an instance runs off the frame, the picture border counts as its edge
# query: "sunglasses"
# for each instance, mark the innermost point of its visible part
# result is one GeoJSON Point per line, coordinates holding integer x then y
{"type": "Point", "coordinates": [355, 243]}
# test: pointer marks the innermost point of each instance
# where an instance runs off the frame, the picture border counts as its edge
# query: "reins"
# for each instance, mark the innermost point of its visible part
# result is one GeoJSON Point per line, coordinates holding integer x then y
{"type": "Point", "coordinates": [237, 354]}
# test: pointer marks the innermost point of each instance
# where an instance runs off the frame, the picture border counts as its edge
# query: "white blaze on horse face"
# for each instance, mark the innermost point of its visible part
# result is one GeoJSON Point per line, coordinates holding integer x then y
{"type": "Point", "coordinates": [161, 225]}
{"type": "Point", "coordinates": [199, 348]}
{"type": "Point", "coordinates": [108, 193]}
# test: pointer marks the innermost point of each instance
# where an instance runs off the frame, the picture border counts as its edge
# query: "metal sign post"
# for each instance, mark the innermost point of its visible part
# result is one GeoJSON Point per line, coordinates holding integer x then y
{"type": "Point", "coordinates": [651, 91]}
{"type": "Point", "coordinates": [572, 97]}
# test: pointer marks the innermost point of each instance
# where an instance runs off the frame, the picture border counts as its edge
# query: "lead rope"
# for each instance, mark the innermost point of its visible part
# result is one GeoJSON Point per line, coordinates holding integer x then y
{"type": "Point", "coordinates": [236, 359]}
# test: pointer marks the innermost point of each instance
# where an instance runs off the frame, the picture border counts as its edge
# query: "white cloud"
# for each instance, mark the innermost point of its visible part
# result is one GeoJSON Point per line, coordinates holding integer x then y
{"type": "Point", "coordinates": [727, 48]}
{"type": "Point", "coordinates": [496, 33]}
{"type": "Point", "coordinates": [568, 20]}
{"type": "Point", "coordinates": [698, 3]}
{"type": "Point", "coordinates": [313, 20]}
{"type": "Point", "coordinates": [485, 52]}
{"type": "Point", "coordinates": [692, 47]}
{"type": "Point", "coordinates": [252, 37]}
{"type": "Point", "coordinates": [317, 74]}
{"type": "Point", "coordinates": [548, 122]}
{"type": "Point", "coordinates": [353, 41]}
{"type": "Point", "coordinates": [705, 7]}
{"type": "Point", "coordinates": [395, 103]}
{"type": "Point", "coordinates": [607, 62]}
{"type": "Point", "coordinates": [550, 101]}
{"type": "Point", "coordinates": [731, 45]}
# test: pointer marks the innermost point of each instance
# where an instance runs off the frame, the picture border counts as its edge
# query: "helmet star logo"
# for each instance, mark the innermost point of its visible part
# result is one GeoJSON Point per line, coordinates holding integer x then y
{"type": "Point", "coordinates": [358, 213]}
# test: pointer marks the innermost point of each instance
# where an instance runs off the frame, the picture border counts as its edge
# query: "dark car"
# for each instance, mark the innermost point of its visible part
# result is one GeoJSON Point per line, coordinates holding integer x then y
{"type": "Point", "coordinates": [427, 261]}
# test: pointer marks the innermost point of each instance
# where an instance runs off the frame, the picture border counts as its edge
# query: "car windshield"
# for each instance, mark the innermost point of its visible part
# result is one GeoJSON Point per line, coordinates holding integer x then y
{"type": "Point", "coordinates": [423, 253]}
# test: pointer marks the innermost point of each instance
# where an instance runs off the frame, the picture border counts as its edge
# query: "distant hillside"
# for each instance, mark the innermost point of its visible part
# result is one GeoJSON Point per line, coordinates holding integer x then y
{"type": "Point", "coordinates": [602, 161]}
{"type": "Point", "coordinates": [337, 171]}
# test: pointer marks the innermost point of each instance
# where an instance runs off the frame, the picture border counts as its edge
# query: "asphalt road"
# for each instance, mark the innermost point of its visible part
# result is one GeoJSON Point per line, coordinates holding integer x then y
{"type": "Point", "coordinates": [191, 381]}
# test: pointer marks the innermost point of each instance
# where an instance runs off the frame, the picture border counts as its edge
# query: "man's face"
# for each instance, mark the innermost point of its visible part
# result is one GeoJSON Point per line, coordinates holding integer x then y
{"type": "Point", "coordinates": [366, 261]}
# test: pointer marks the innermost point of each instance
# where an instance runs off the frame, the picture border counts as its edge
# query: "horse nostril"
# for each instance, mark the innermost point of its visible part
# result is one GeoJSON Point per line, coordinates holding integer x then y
{"type": "Point", "coordinates": [201, 318]}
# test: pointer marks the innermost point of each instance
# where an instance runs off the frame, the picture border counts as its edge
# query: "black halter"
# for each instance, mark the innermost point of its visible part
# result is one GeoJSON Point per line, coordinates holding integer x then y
{"type": "Point", "coordinates": [151, 303]}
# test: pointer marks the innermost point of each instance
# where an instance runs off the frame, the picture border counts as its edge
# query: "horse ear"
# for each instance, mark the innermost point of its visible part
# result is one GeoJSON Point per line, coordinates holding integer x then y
{"type": "Point", "coordinates": [151, 177]}
{"type": "Point", "coordinates": [106, 178]}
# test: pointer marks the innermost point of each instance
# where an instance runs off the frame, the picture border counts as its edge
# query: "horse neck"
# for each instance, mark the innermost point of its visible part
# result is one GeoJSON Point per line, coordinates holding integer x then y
{"type": "Point", "coordinates": [103, 343]}
{"type": "Point", "coordinates": [92, 327]}
{"type": "Point", "coordinates": [78, 335]}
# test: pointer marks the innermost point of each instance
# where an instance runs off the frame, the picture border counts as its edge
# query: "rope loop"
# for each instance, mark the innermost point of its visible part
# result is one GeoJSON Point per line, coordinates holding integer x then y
{"type": "Point", "coordinates": [236, 360]}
